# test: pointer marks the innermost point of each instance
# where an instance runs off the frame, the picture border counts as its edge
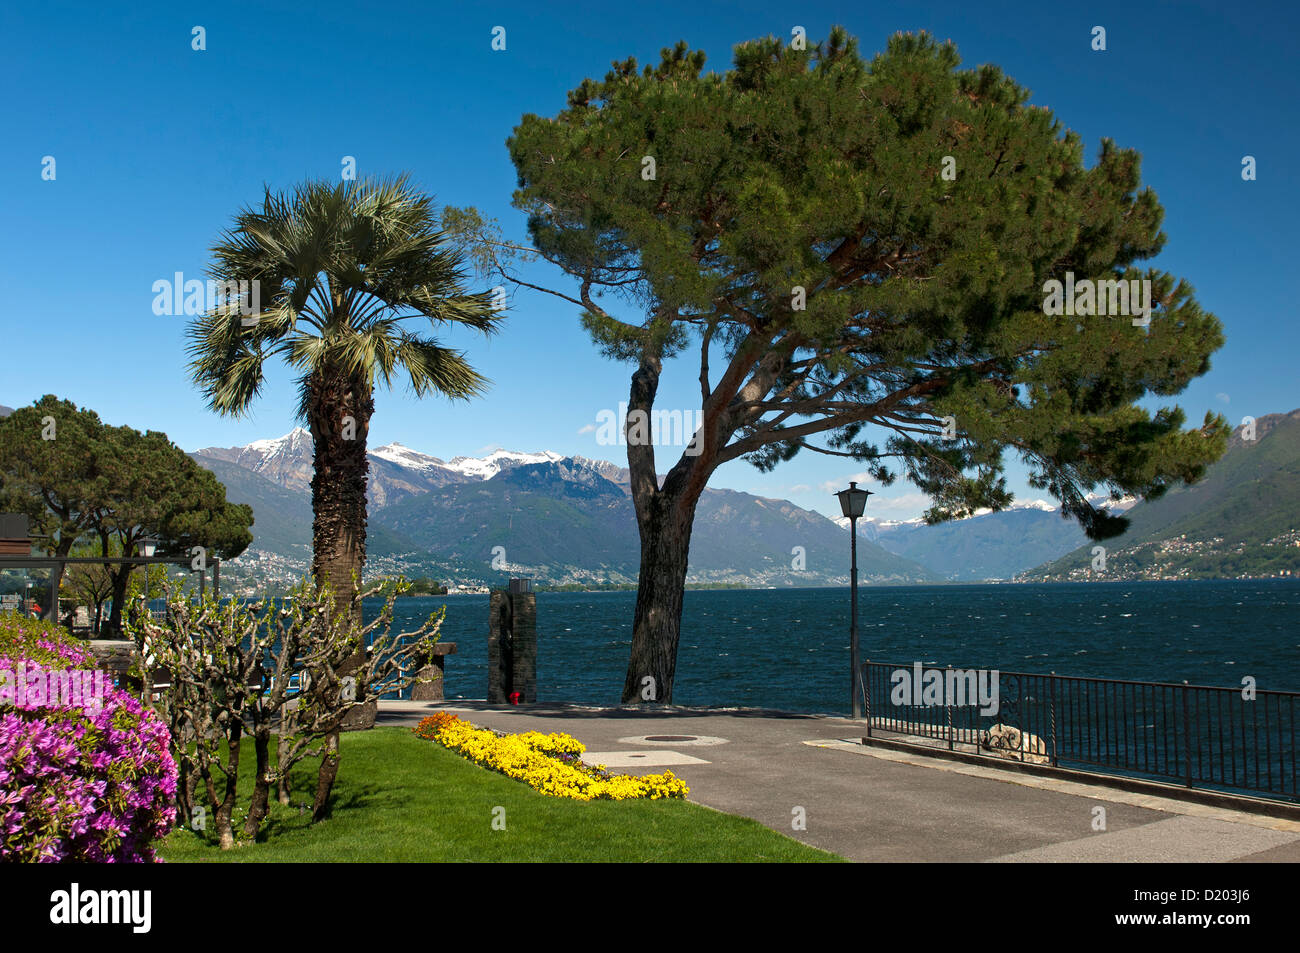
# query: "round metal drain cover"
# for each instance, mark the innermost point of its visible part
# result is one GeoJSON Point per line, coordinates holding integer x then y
{"type": "Point", "coordinates": [675, 741]}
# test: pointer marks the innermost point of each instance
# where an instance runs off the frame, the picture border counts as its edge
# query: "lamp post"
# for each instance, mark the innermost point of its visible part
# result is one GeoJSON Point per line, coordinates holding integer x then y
{"type": "Point", "coordinates": [853, 503]}
{"type": "Point", "coordinates": [146, 546]}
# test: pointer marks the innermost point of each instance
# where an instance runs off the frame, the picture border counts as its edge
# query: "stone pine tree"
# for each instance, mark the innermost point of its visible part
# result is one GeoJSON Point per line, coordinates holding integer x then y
{"type": "Point", "coordinates": [342, 271]}
{"type": "Point", "coordinates": [853, 257]}
{"type": "Point", "coordinates": [81, 480]}
{"type": "Point", "coordinates": [50, 471]}
{"type": "Point", "coordinates": [158, 490]}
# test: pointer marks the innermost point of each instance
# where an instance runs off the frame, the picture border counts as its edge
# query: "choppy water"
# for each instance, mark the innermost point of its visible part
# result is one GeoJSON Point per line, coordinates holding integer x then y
{"type": "Point", "coordinates": [789, 649]}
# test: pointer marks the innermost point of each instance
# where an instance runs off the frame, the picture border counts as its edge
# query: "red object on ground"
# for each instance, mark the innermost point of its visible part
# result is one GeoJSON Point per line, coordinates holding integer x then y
{"type": "Point", "coordinates": [514, 697]}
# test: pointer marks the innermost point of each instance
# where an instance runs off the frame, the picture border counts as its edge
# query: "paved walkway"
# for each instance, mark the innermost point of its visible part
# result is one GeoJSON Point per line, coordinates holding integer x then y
{"type": "Point", "coordinates": [872, 804]}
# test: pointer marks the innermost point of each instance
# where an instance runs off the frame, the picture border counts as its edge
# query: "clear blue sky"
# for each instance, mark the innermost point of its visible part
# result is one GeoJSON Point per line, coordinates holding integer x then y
{"type": "Point", "coordinates": [157, 146]}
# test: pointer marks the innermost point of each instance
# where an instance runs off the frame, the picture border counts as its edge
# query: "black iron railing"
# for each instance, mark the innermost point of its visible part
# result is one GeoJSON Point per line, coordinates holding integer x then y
{"type": "Point", "coordinates": [1232, 739]}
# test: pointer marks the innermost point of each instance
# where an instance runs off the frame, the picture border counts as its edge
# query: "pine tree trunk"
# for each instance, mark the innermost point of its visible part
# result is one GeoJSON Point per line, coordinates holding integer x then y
{"type": "Point", "coordinates": [664, 516]}
{"type": "Point", "coordinates": [120, 579]}
{"type": "Point", "coordinates": [656, 626]}
{"type": "Point", "coordinates": [56, 580]}
{"type": "Point", "coordinates": [339, 414]}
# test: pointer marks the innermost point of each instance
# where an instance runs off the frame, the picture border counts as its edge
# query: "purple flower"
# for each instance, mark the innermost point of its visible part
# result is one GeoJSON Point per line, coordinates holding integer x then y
{"type": "Point", "coordinates": [55, 763]}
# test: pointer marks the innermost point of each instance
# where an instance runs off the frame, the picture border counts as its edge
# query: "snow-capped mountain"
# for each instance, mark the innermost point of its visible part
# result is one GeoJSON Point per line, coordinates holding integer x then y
{"type": "Point", "coordinates": [1041, 505]}
{"type": "Point", "coordinates": [871, 528]}
{"type": "Point", "coordinates": [406, 457]}
{"type": "Point", "coordinates": [407, 487]}
{"type": "Point", "coordinates": [485, 468]}
{"type": "Point", "coordinates": [560, 519]}
{"type": "Point", "coordinates": [1113, 506]}
{"type": "Point", "coordinates": [479, 468]}
{"type": "Point", "coordinates": [396, 471]}
{"type": "Point", "coordinates": [286, 461]}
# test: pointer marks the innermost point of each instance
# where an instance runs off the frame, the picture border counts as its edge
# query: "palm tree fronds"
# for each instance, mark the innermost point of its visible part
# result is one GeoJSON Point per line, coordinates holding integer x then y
{"type": "Point", "coordinates": [339, 267]}
{"type": "Point", "coordinates": [433, 368]}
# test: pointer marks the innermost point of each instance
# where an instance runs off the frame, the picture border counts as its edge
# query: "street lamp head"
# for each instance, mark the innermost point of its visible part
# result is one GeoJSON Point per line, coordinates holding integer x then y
{"type": "Point", "coordinates": [148, 545]}
{"type": "Point", "coordinates": [853, 502]}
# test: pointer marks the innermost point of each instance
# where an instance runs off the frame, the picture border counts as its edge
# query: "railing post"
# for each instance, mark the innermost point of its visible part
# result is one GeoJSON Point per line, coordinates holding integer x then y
{"type": "Point", "coordinates": [866, 693]}
{"type": "Point", "coordinates": [1187, 736]}
{"type": "Point", "coordinates": [1051, 695]}
{"type": "Point", "coordinates": [947, 707]}
{"type": "Point", "coordinates": [1022, 705]}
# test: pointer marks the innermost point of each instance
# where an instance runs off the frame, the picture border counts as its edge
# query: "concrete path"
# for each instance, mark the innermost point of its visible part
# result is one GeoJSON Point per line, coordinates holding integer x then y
{"type": "Point", "coordinates": [871, 804]}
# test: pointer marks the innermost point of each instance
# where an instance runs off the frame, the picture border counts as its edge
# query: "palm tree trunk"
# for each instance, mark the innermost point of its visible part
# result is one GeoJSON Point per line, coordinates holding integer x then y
{"type": "Point", "coordinates": [339, 411]}
{"type": "Point", "coordinates": [340, 423]}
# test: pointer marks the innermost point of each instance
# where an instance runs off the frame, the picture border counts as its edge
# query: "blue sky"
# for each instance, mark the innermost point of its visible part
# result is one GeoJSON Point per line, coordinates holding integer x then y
{"type": "Point", "coordinates": [158, 145]}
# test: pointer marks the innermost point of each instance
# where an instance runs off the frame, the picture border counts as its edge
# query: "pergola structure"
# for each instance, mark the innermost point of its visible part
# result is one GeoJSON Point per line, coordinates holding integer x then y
{"type": "Point", "coordinates": [16, 543]}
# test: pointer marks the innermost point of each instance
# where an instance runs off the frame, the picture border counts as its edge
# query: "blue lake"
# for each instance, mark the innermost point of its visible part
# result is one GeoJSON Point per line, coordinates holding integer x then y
{"type": "Point", "coordinates": [789, 648]}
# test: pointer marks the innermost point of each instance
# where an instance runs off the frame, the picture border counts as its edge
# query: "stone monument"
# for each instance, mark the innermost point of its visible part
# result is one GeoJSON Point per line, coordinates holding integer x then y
{"type": "Point", "coordinates": [512, 644]}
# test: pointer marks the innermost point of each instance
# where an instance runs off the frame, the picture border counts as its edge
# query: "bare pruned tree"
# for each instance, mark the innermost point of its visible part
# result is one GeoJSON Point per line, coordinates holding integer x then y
{"type": "Point", "coordinates": [281, 669]}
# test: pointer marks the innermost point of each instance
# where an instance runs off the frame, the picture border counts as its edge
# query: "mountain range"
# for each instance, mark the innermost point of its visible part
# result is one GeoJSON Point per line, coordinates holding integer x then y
{"type": "Point", "coordinates": [569, 520]}
{"type": "Point", "coordinates": [984, 547]}
{"type": "Point", "coordinates": [1242, 519]}
{"type": "Point", "coordinates": [561, 520]}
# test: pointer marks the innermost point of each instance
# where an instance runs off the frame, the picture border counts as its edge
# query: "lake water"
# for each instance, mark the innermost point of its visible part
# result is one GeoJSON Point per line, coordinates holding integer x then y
{"type": "Point", "coordinates": [789, 648]}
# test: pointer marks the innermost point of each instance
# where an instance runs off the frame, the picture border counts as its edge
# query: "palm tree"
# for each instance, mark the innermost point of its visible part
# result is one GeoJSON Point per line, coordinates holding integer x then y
{"type": "Point", "coordinates": [339, 269]}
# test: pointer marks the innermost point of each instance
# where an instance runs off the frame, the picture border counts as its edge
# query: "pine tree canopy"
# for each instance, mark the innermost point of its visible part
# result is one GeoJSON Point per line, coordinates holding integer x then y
{"type": "Point", "coordinates": [80, 479]}
{"type": "Point", "coordinates": [856, 253]}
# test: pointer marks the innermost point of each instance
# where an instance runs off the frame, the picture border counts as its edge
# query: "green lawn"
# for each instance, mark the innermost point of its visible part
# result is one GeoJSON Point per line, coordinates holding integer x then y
{"type": "Point", "coordinates": [398, 798]}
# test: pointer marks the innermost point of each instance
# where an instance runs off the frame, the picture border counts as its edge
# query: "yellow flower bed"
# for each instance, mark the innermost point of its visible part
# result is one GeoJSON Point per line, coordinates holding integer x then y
{"type": "Point", "coordinates": [550, 763]}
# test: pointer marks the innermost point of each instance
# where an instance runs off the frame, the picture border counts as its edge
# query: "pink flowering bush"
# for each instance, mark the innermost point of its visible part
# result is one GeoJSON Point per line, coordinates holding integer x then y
{"type": "Point", "coordinates": [42, 643]}
{"type": "Point", "coordinates": [78, 782]}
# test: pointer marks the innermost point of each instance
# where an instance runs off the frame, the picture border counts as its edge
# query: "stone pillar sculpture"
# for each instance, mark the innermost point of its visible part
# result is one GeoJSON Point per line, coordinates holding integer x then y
{"type": "Point", "coordinates": [512, 643]}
